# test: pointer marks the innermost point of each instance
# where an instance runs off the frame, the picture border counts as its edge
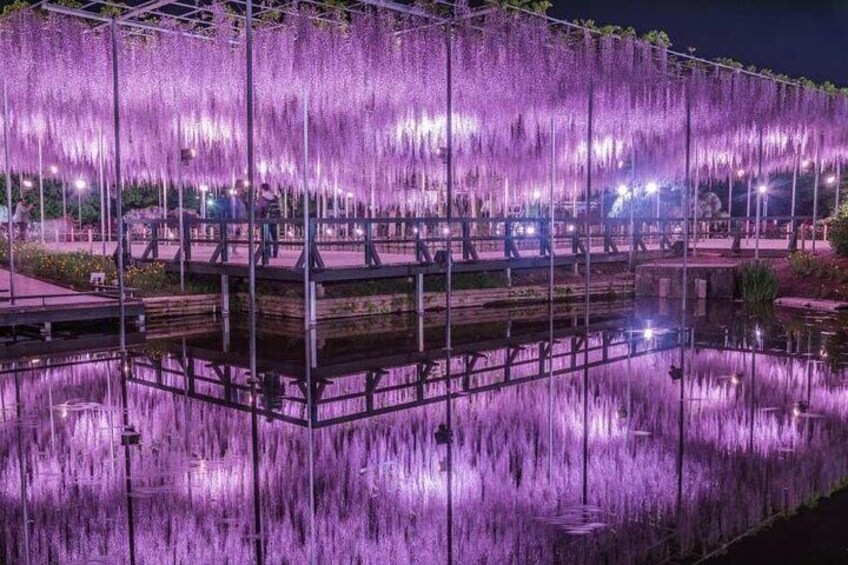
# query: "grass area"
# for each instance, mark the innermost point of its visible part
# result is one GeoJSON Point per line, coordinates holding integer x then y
{"type": "Point", "coordinates": [74, 270]}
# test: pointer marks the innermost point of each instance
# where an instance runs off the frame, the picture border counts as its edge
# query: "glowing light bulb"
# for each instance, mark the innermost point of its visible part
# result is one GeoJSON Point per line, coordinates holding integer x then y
{"type": "Point", "coordinates": [652, 188]}
{"type": "Point", "coordinates": [762, 189]}
{"type": "Point", "coordinates": [27, 183]}
{"type": "Point", "coordinates": [53, 169]}
{"type": "Point", "coordinates": [740, 173]}
{"type": "Point", "coordinates": [80, 184]}
{"type": "Point", "coordinates": [537, 194]}
{"type": "Point", "coordinates": [350, 195]}
{"type": "Point", "coordinates": [530, 230]}
{"type": "Point", "coordinates": [830, 179]}
{"type": "Point", "coordinates": [328, 231]}
{"type": "Point", "coordinates": [648, 333]}
{"type": "Point", "coordinates": [445, 231]}
{"type": "Point", "coordinates": [570, 227]}
{"type": "Point", "coordinates": [358, 231]}
{"type": "Point", "coordinates": [623, 190]}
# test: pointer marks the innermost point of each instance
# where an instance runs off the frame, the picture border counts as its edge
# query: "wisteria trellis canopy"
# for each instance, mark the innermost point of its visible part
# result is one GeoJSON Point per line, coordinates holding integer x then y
{"type": "Point", "coordinates": [376, 84]}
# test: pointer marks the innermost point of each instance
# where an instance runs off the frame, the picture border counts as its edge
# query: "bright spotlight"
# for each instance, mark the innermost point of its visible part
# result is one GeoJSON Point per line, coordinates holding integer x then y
{"type": "Point", "coordinates": [358, 231]}
{"type": "Point", "coordinates": [740, 173]}
{"type": "Point", "coordinates": [80, 184]}
{"type": "Point", "coordinates": [762, 189]}
{"type": "Point", "coordinates": [537, 194]}
{"type": "Point", "coordinates": [530, 230]}
{"type": "Point", "coordinates": [830, 179]}
{"type": "Point", "coordinates": [27, 183]}
{"type": "Point", "coordinates": [652, 188]}
{"type": "Point", "coordinates": [623, 190]}
{"type": "Point", "coordinates": [204, 188]}
{"type": "Point", "coordinates": [53, 169]}
{"type": "Point", "coordinates": [350, 195]}
{"type": "Point", "coordinates": [648, 333]}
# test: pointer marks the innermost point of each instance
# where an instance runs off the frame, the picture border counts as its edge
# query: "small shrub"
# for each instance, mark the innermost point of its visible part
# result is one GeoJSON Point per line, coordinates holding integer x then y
{"type": "Point", "coordinates": [838, 232]}
{"type": "Point", "coordinates": [757, 282]}
{"type": "Point", "coordinates": [148, 279]}
{"type": "Point", "coordinates": [802, 263]}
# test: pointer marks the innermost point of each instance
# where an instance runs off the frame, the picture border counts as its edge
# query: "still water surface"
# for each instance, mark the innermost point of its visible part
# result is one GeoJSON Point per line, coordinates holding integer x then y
{"type": "Point", "coordinates": [521, 450]}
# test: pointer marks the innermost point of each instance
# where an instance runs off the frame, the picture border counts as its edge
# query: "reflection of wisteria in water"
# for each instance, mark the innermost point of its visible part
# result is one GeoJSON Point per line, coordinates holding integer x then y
{"type": "Point", "coordinates": [380, 483]}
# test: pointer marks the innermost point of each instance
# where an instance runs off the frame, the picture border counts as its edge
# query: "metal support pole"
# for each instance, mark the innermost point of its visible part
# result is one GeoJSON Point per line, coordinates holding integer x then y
{"type": "Point", "coordinates": [180, 202]}
{"type": "Point", "coordinates": [104, 199]}
{"type": "Point", "coordinates": [793, 231]}
{"type": "Point", "coordinates": [6, 141]}
{"type": "Point", "coordinates": [759, 197]}
{"type": "Point", "coordinates": [588, 277]}
{"type": "Point", "coordinates": [449, 278]}
{"type": "Point", "coordinates": [64, 202]}
{"type": "Point", "coordinates": [41, 188]}
{"type": "Point", "coordinates": [631, 253]}
{"type": "Point", "coordinates": [730, 200]}
{"type": "Point", "coordinates": [819, 143]}
{"type": "Point", "coordinates": [251, 256]}
{"type": "Point", "coordinates": [551, 239]}
{"type": "Point", "coordinates": [225, 295]}
{"type": "Point", "coordinates": [307, 244]}
{"type": "Point", "coordinates": [119, 201]}
{"type": "Point", "coordinates": [838, 182]}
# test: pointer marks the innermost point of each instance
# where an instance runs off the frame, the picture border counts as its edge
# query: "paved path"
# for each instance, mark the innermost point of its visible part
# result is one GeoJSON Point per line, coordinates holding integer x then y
{"type": "Point", "coordinates": [43, 293]}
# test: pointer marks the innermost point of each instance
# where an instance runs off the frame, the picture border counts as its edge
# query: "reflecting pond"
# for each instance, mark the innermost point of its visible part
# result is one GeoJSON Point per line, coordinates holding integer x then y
{"type": "Point", "coordinates": [534, 441]}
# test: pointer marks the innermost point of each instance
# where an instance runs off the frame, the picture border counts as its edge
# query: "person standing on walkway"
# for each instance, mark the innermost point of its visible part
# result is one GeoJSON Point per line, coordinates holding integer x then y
{"type": "Point", "coordinates": [21, 218]}
{"type": "Point", "coordinates": [238, 212]}
{"type": "Point", "coordinates": [268, 208]}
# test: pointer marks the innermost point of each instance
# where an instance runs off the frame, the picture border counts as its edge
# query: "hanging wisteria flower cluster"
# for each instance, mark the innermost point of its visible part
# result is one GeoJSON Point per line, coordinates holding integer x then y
{"type": "Point", "coordinates": [377, 88]}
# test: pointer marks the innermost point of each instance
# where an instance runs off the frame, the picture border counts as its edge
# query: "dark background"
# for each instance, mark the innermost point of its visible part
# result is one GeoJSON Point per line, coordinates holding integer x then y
{"type": "Point", "coordinates": [806, 38]}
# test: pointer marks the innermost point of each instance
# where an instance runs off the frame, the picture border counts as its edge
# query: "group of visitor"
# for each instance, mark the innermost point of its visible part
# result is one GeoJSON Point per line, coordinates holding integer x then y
{"type": "Point", "coordinates": [267, 207]}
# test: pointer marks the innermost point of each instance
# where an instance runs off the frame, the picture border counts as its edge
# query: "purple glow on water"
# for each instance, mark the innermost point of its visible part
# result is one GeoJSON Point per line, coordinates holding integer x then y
{"type": "Point", "coordinates": [380, 482]}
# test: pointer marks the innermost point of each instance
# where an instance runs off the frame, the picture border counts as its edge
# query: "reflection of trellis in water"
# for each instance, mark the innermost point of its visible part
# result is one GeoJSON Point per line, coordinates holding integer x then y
{"type": "Point", "coordinates": [365, 392]}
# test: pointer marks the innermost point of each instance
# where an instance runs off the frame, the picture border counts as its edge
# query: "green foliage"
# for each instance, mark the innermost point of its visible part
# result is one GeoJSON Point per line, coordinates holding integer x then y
{"type": "Point", "coordinates": [537, 6]}
{"type": "Point", "coordinates": [74, 270]}
{"type": "Point", "coordinates": [802, 263]}
{"type": "Point", "coordinates": [113, 10]}
{"type": "Point", "coordinates": [13, 7]}
{"type": "Point", "coordinates": [658, 38]}
{"type": "Point", "coordinates": [838, 232]}
{"type": "Point", "coordinates": [757, 282]}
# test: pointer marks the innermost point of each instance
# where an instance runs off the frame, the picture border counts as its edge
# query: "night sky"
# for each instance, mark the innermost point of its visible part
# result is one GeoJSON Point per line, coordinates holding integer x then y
{"type": "Point", "coordinates": [798, 38]}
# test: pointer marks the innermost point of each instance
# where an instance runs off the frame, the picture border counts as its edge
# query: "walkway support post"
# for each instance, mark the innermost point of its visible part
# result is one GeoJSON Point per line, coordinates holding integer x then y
{"type": "Point", "coordinates": [793, 228]}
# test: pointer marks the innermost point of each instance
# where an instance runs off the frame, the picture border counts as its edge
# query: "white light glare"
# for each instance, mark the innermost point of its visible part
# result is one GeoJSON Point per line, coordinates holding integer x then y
{"type": "Point", "coordinates": [652, 188]}
{"type": "Point", "coordinates": [80, 184]}
{"type": "Point", "coordinates": [648, 333]}
{"type": "Point", "coordinates": [762, 189]}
